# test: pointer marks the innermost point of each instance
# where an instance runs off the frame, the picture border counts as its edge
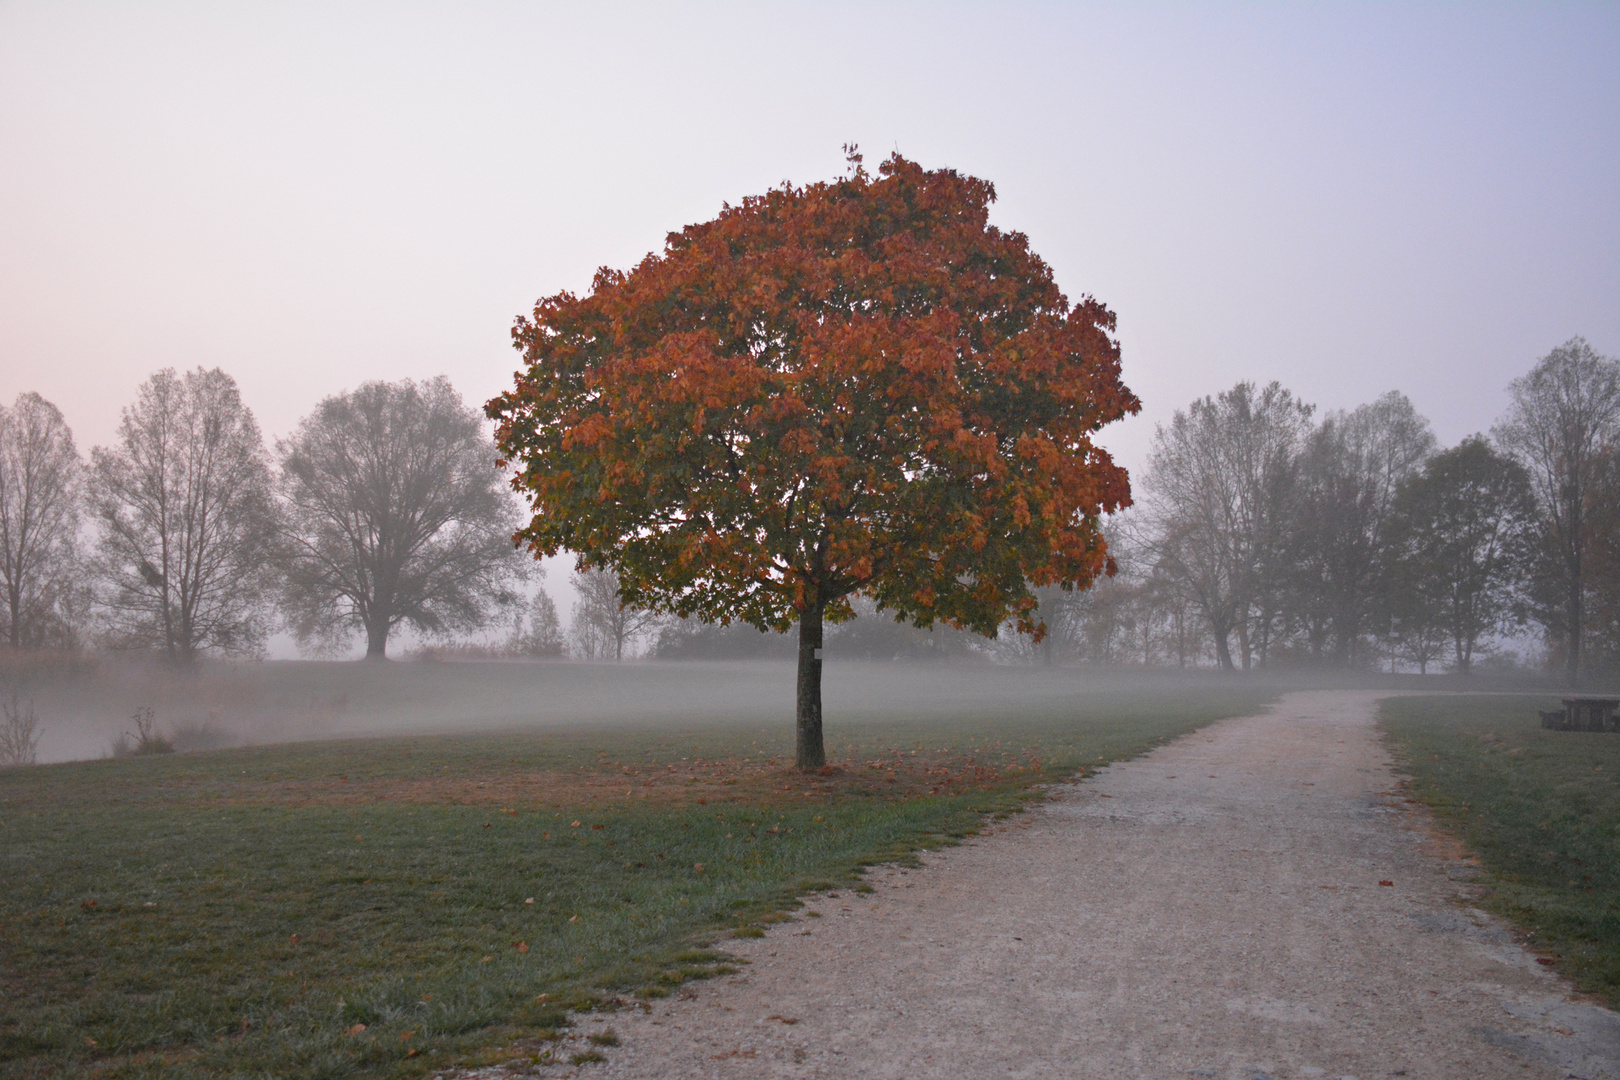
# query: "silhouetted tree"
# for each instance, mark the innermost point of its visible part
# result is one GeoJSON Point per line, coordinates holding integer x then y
{"type": "Point", "coordinates": [602, 624]}
{"type": "Point", "coordinates": [1564, 414]}
{"type": "Point", "coordinates": [1350, 469]}
{"type": "Point", "coordinates": [396, 514]}
{"type": "Point", "coordinates": [1603, 522]}
{"type": "Point", "coordinates": [1218, 486]}
{"type": "Point", "coordinates": [542, 636]}
{"type": "Point", "coordinates": [39, 524]}
{"type": "Point", "coordinates": [1463, 530]}
{"type": "Point", "coordinates": [186, 520]}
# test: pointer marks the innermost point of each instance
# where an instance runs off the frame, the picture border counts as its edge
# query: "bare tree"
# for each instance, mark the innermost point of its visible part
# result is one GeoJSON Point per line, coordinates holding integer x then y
{"type": "Point", "coordinates": [1351, 468]}
{"type": "Point", "coordinates": [1217, 487]}
{"type": "Point", "coordinates": [39, 523]}
{"type": "Point", "coordinates": [601, 625]}
{"type": "Point", "coordinates": [1563, 415]}
{"type": "Point", "coordinates": [395, 514]}
{"type": "Point", "coordinates": [19, 732]}
{"type": "Point", "coordinates": [186, 520]}
{"type": "Point", "coordinates": [1122, 618]}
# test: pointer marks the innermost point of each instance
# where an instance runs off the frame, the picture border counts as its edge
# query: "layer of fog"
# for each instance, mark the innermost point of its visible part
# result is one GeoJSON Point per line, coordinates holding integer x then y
{"type": "Point", "coordinates": [84, 711]}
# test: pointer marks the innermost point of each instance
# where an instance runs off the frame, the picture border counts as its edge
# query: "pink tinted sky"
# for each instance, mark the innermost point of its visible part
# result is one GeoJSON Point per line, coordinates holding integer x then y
{"type": "Point", "coordinates": [1348, 198]}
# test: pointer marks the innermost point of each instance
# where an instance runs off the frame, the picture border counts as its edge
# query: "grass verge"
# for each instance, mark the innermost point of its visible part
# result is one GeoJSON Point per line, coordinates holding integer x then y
{"type": "Point", "coordinates": [1541, 810]}
{"type": "Point", "coordinates": [386, 907]}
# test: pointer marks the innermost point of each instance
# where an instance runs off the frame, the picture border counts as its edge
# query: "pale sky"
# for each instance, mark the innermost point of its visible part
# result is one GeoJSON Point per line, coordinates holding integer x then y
{"type": "Point", "coordinates": [1350, 198]}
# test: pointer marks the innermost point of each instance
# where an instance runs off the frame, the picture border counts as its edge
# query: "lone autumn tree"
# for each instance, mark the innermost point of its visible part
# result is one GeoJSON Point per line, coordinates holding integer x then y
{"type": "Point", "coordinates": [853, 387]}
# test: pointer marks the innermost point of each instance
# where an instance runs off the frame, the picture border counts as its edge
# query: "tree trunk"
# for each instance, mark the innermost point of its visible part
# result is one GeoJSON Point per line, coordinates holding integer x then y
{"type": "Point", "coordinates": [811, 753]}
{"type": "Point", "coordinates": [1575, 620]}
{"type": "Point", "coordinates": [377, 641]}
{"type": "Point", "coordinates": [1223, 647]}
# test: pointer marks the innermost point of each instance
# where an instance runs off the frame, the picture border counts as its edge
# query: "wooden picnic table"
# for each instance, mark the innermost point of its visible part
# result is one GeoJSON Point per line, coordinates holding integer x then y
{"type": "Point", "coordinates": [1590, 713]}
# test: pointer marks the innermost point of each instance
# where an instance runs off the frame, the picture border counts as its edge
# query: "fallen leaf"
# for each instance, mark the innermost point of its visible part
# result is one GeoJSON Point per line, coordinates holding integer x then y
{"type": "Point", "coordinates": [486, 959]}
{"type": "Point", "coordinates": [530, 900]}
{"type": "Point", "coordinates": [598, 827]}
{"type": "Point", "coordinates": [573, 918]}
{"type": "Point", "coordinates": [406, 1034]}
{"type": "Point", "coordinates": [1549, 961]}
{"type": "Point", "coordinates": [412, 1052]}
{"type": "Point", "coordinates": [574, 825]}
{"type": "Point", "coordinates": [294, 939]}
{"type": "Point", "coordinates": [522, 946]}
{"type": "Point", "coordinates": [1100, 795]}
{"type": "Point", "coordinates": [357, 1029]}
{"type": "Point", "coordinates": [1389, 883]}
{"type": "Point", "coordinates": [698, 867]}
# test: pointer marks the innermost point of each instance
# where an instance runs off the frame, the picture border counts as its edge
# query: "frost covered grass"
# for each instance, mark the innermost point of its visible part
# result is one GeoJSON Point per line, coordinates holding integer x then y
{"type": "Point", "coordinates": [387, 906]}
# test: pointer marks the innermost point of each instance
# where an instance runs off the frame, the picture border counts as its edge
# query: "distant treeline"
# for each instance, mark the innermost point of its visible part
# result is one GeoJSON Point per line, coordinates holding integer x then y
{"type": "Point", "coordinates": [1262, 535]}
{"type": "Point", "coordinates": [188, 536]}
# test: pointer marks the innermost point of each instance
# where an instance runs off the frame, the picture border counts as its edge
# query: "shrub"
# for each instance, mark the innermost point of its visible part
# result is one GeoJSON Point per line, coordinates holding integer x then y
{"type": "Point", "coordinates": [19, 732]}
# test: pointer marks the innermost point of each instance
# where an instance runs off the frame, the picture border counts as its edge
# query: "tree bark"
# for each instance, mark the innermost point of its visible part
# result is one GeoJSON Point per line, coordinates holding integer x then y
{"type": "Point", "coordinates": [1223, 647]}
{"type": "Point", "coordinates": [811, 753]}
{"type": "Point", "coordinates": [377, 642]}
{"type": "Point", "coordinates": [1573, 661]}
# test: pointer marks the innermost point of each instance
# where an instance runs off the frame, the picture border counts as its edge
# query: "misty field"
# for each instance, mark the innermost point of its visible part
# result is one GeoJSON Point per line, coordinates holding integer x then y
{"type": "Point", "coordinates": [1541, 810]}
{"type": "Point", "coordinates": [387, 905]}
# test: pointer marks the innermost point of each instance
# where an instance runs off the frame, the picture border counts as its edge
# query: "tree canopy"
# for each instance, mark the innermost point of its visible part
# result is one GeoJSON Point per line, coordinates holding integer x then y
{"type": "Point", "coordinates": [394, 514]}
{"type": "Point", "coordinates": [39, 523]}
{"type": "Point", "coordinates": [852, 387]}
{"type": "Point", "coordinates": [186, 518]}
{"type": "Point", "coordinates": [1461, 533]}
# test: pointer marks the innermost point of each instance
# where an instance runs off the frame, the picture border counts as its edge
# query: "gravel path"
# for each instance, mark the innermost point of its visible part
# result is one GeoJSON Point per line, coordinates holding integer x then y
{"type": "Point", "coordinates": [1248, 902]}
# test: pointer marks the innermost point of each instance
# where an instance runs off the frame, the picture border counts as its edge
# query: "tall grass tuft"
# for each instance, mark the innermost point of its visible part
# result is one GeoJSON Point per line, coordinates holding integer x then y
{"type": "Point", "coordinates": [146, 739]}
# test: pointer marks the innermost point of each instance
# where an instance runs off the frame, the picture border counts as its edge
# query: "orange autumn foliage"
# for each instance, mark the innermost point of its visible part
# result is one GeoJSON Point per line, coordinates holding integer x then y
{"type": "Point", "coordinates": [857, 386]}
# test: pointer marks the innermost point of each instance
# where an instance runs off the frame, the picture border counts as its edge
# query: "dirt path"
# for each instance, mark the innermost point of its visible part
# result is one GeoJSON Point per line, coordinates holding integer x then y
{"type": "Point", "coordinates": [1214, 909]}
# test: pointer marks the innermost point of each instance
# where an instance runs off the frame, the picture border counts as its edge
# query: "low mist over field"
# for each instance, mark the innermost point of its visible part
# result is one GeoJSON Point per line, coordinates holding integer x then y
{"type": "Point", "coordinates": [83, 714]}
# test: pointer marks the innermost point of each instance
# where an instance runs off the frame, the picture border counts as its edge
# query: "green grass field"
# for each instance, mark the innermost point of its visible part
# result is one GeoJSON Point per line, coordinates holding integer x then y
{"type": "Point", "coordinates": [244, 912]}
{"type": "Point", "coordinates": [1541, 809]}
